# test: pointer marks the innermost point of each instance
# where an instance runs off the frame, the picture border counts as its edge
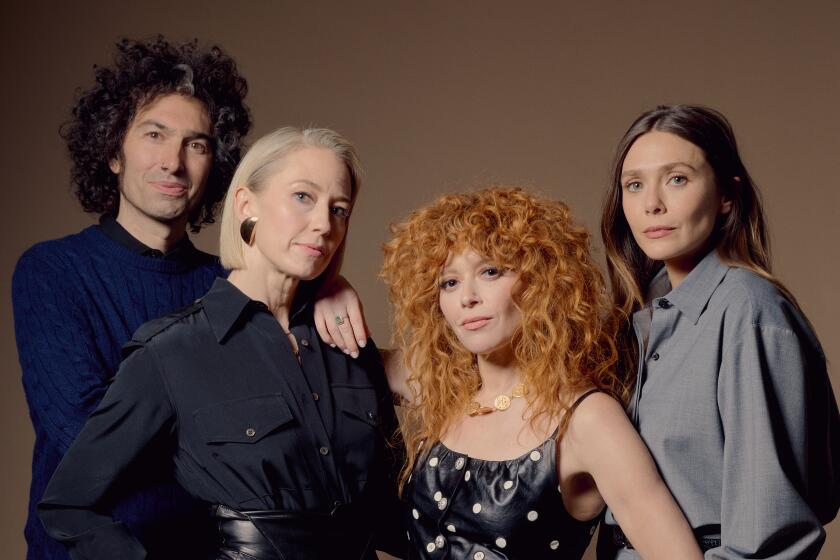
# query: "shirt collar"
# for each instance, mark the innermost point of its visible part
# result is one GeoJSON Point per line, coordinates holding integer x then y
{"type": "Point", "coordinates": [695, 291]}
{"type": "Point", "coordinates": [226, 306]}
{"type": "Point", "coordinates": [113, 229]}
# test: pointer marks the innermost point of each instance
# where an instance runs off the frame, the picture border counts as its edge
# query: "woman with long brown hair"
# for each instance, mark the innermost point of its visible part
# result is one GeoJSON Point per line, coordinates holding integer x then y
{"type": "Point", "coordinates": [513, 422]}
{"type": "Point", "coordinates": [731, 392]}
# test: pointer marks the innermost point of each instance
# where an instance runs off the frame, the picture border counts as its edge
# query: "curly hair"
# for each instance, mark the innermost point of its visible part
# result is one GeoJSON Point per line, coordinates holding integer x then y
{"type": "Point", "coordinates": [564, 343]}
{"type": "Point", "coordinates": [142, 72]}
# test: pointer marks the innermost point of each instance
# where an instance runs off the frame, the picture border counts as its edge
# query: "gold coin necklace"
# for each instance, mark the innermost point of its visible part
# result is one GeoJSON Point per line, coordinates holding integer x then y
{"type": "Point", "coordinates": [501, 402]}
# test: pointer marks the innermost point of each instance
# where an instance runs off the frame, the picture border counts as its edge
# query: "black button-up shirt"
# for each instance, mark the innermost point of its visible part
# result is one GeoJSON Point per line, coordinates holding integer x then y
{"type": "Point", "coordinates": [217, 389]}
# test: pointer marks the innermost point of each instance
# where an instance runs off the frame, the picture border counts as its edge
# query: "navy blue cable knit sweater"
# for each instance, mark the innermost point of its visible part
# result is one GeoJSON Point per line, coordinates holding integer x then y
{"type": "Point", "coordinates": [76, 301]}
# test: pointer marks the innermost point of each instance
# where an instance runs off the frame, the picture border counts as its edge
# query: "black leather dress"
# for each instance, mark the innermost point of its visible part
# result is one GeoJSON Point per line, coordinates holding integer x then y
{"type": "Point", "coordinates": [465, 508]}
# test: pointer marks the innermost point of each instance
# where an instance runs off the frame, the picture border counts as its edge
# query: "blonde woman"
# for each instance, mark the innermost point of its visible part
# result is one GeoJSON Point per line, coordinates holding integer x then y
{"type": "Point", "coordinates": [283, 437]}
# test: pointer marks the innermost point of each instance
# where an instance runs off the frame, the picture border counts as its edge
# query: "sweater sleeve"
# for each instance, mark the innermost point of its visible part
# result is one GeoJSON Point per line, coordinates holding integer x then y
{"type": "Point", "coordinates": [63, 376]}
{"type": "Point", "coordinates": [135, 418]}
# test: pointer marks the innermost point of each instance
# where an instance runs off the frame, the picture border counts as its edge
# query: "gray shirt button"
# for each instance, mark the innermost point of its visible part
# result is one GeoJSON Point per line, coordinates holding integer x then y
{"type": "Point", "coordinates": [655, 356]}
{"type": "Point", "coordinates": [250, 432]}
{"type": "Point", "coordinates": [324, 451]}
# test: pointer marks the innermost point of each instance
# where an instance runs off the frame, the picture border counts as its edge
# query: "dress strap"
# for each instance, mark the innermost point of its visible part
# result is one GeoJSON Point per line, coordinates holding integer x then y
{"type": "Point", "coordinates": [580, 399]}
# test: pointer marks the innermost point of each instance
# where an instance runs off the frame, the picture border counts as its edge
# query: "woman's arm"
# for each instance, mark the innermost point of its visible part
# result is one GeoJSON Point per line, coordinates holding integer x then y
{"type": "Point", "coordinates": [397, 373]}
{"type": "Point", "coordinates": [134, 414]}
{"type": "Point", "coordinates": [601, 441]}
{"type": "Point", "coordinates": [778, 415]}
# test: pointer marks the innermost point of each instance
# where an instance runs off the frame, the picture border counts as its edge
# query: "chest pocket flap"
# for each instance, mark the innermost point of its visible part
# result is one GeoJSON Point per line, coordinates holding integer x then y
{"type": "Point", "coordinates": [245, 420]}
{"type": "Point", "coordinates": [358, 402]}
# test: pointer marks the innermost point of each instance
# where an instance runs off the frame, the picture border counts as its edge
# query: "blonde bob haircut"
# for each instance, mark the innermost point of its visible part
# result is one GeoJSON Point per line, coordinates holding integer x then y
{"type": "Point", "coordinates": [564, 343]}
{"type": "Point", "coordinates": [261, 162]}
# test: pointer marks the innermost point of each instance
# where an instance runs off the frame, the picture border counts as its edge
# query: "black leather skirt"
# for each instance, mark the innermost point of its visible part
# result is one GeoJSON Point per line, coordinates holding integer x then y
{"type": "Point", "coordinates": [343, 533]}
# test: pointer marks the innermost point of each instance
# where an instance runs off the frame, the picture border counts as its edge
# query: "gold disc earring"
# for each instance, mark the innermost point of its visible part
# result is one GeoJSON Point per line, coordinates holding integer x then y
{"type": "Point", "coordinates": [247, 229]}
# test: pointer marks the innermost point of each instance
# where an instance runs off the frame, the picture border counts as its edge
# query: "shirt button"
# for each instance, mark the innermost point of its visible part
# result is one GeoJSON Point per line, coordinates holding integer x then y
{"type": "Point", "coordinates": [655, 356]}
{"type": "Point", "coordinates": [316, 396]}
{"type": "Point", "coordinates": [439, 541]}
{"type": "Point", "coordinates": [664, 303]}
{"type": "Point", "coordinates": [478, 555]}
{"type": "Point", "coordinates": [371, 415]}
{"type": "Point", "coordinates": [304, 342]}
{"type": "Point", "coordinates": [324, 451]}
{"type": "Point", "coordinates": [250, 432]}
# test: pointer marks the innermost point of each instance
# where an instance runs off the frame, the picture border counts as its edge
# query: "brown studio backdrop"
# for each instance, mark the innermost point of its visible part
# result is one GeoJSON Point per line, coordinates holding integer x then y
{"type": "Point", "coordinates": [439, 96]}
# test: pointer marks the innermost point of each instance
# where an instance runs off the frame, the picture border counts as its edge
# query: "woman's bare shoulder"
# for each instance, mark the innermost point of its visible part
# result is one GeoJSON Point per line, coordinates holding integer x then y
{"type": "Point", "coordinates": [594, 412]}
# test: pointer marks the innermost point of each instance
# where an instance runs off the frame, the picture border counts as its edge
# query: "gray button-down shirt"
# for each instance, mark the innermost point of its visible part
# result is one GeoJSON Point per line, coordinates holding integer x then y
{"type": "Point", "coordinates": [735, 404]}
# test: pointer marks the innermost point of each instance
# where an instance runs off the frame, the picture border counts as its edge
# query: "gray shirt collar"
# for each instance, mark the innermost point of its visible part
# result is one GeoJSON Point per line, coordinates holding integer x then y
{"type": "Point", "coordinates": [694, 293]}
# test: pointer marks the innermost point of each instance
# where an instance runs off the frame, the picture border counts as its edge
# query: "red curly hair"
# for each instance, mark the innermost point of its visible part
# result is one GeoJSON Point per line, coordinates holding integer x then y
{"type": "Point", "coordinates": [565, 342]}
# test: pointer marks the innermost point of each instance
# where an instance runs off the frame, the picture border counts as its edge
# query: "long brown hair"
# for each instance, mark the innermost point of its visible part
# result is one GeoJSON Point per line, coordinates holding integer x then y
{"type": "Point", "coordinates": [563, 344]}
{"type": "Point", "coordinates": [740, 237]}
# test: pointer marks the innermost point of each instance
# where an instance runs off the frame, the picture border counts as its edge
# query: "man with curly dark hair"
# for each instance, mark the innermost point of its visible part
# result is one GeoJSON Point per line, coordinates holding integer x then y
{"type": "Point", "coordinates": [154, 143]}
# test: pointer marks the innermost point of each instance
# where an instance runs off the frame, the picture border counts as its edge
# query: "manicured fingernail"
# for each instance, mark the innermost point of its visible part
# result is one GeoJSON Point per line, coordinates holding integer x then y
{"type": "Point", "coordinates": [332, 345]}
{"type": "Point", "coordinates": [362, 342]}
{"type": "Point", "coordinates": [345, 350]}
{"type": "Point", "coordinates": [354, 354]}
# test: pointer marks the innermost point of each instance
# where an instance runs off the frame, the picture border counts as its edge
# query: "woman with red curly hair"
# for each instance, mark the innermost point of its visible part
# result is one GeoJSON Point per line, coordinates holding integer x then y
{"type": "Point", "coordinates": [513, 415]}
